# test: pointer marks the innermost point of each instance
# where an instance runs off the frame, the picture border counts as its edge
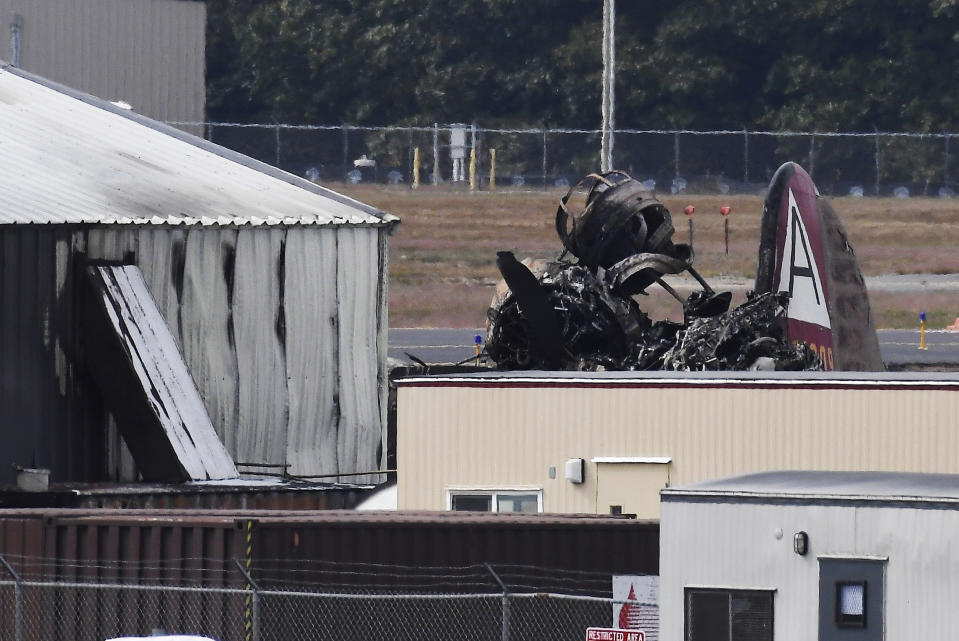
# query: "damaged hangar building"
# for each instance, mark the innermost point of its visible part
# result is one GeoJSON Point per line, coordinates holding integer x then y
{"type": "Point", "coordinates": [170, 309]}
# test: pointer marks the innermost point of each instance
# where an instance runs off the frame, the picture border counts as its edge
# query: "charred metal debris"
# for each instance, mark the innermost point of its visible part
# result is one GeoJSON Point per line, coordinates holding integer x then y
{"type": "Point", "coordinates": [580, 314]}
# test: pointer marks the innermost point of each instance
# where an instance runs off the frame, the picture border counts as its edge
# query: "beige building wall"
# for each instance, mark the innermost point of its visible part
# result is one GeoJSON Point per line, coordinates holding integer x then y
{"type": "Point", "coordinates": [502, 434]}
{"type": "Point", "coordinates": [149, 53]}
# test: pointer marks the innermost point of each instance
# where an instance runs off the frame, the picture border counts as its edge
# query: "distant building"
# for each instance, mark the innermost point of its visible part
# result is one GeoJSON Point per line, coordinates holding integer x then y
{"type": "Point", "coordinates": [147, 53]}
{"type": "Point", "coordinates": [143, 269]}
{"type": "Point", "coordinates": [790, 556]}
{"type": "Point", "coordinates": [606, 442]}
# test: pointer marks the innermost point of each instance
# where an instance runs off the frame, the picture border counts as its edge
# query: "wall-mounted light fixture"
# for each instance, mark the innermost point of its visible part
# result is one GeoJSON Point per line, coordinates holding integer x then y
{"type": "Point", "coordinates": [800, 543]}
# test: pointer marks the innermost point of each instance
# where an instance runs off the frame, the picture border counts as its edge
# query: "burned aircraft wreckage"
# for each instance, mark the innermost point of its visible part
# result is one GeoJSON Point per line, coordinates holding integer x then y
{"type": "Point", "coordinates": [809, 309]}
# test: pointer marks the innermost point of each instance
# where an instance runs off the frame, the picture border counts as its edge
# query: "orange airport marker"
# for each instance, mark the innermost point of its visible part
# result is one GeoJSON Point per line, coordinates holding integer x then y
{"type": "Point", "coordinates": [922, 330]}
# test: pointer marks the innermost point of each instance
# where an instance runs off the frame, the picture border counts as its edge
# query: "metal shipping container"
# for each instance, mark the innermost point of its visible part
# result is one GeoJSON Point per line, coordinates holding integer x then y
{"type": "Point", "coordinates": [287, 550]}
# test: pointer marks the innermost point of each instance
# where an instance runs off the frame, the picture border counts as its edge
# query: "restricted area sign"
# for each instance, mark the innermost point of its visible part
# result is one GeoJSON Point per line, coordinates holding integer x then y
{"type": "Point", "coordinates": [614, 634]}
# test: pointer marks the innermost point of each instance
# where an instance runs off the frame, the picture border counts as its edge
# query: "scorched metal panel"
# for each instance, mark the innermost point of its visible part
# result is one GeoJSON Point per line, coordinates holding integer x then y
{"type": "Point", "coordinates": [180, 437]}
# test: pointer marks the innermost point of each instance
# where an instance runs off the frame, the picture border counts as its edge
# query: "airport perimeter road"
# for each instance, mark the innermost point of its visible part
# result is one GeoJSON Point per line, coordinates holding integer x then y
{"type": "Point", "coordinates": [899, 347]}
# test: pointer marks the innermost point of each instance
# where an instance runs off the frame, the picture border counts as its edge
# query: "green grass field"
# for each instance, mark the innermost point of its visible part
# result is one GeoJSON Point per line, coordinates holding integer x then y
{"type": "Point", "coordinates": [442, 257]}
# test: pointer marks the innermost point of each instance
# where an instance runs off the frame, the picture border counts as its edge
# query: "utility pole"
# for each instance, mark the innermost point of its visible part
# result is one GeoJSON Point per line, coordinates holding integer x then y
{"type": "Point", "coordinates": [609, 82]}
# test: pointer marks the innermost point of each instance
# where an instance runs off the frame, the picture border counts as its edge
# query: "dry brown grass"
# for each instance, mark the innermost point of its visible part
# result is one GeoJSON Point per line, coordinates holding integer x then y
{"type": "Point", "coordinates": [442, 257]}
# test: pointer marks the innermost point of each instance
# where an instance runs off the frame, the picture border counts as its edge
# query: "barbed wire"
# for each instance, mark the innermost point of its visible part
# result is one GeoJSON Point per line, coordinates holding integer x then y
{"type": "Point", "coordinates": [562, 130]}
{"type": "Point", "coordinates": [317, 574]}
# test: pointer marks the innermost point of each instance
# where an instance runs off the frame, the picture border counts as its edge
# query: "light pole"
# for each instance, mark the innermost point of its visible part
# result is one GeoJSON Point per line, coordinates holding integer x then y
{"type": "Point", "coordinates": [609, 82]}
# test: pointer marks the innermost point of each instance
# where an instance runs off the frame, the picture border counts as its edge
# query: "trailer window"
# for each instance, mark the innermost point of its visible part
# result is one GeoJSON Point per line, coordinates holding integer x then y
{"type": "Point", "coordinates": [721, 614]}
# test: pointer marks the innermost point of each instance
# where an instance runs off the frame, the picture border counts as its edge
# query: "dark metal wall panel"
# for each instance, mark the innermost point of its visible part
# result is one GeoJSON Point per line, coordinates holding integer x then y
{"type": "Point", "coordinates": [600, 546]}
{"type": "Point", "coordinates": [38, 413]}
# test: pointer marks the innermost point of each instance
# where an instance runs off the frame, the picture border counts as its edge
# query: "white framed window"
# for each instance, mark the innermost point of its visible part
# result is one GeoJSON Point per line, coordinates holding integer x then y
{"type": "Point", "coordinates": [511, 500]}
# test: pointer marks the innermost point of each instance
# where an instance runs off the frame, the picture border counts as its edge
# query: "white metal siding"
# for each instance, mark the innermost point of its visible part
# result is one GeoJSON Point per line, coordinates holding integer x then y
{"type": "Point", "coordinates": [150, 53]}
{"type": "Point", "coordinates": [511, 435]}
{"type": "Point", "coordinates": [734, 545]}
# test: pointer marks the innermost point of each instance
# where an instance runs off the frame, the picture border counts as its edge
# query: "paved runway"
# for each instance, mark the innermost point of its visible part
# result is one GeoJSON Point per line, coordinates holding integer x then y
{"type": "Point", "coordinates": [899, 347]}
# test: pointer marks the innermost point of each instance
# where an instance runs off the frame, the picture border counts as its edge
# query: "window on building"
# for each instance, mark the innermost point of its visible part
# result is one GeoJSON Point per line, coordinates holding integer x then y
{"type": "Point", "coordinates": [721, 615]}
{"type": "Point", "coordinates": [496, 501]}
{"type": "Point", "coordinates": [851, 604]}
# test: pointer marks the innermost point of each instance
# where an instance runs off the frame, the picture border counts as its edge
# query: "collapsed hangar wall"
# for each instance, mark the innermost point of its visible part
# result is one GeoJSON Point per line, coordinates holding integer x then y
{"type": "Point", "coordinates": [283, 329]}
{"type": "Point", "coordinates": [505, 431]}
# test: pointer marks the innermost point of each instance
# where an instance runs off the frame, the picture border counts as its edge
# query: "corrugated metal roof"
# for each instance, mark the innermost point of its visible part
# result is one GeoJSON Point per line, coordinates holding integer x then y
{"type": "Point", "coordinates": [827, 485]}
{"type": "Point", "coordinates": [71, 158]}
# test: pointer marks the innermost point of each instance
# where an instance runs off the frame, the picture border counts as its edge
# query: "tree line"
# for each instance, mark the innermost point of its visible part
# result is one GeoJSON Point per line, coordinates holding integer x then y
{"type": "Point", "coordinates": [822, 65]}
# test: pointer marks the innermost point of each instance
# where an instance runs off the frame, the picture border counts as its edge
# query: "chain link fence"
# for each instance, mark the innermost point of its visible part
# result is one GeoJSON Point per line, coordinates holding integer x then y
{"type": "Point", "coordinates": [880, 163]}
{"type": "Point", "coordinates": [244, 608]}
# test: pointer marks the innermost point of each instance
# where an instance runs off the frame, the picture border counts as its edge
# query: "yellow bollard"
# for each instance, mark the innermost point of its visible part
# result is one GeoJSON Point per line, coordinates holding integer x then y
{"type": "Point", "coordinates": [473, 169]}
{"type": "Point", "coordinates": [416, 167]}
{"type": "Point", "coordinates": [492, 169]}
{"type": "Point", "coordinates": [922, 330]}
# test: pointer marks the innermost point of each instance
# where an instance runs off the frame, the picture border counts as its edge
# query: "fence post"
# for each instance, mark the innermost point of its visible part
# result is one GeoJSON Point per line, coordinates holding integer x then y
{"type": "Point", "coordinates": [505, 633]}
{"type": "Point", "coordinates": [544, 156]}
{"type": "Point", "coordinates": [252, 613]}
{"type": "Point", "coordinates": [945, 164]}
{"type": "Point", "coordinates": [277, 130]}
{"type": "Point", "coordinates": [745, 156]}
{"type": "Point", "coordinates": [18, 599]}
{"type": "Point", "coordinates": [676, 152]}
{"type": "Point", "coordinates": [346, 149]}
{"type": "Point", "coordinates": [877, 162]}
{"type": "Point", "coordinates": [416, 168]}
{"type": "Point", "coordinates": [436, 153]}
{"type": "Point", "coordinates": [412, 155]}
{"type": "Point", "coordinates": [812, 154]}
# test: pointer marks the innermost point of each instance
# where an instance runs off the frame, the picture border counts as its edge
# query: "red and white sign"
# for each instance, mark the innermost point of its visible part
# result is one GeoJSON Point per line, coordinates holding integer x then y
{"type": "Point", "coordinates": [641, 593]}
{"type": "Point", "coordinates": [614, 634]}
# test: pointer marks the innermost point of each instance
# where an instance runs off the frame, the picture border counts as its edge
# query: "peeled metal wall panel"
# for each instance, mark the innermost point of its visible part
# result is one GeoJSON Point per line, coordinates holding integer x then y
{"type": "Point", "coordinates": [167, 386]}
{"type": "Point", "coordinates": [359, 432]}
{"type": "Point", "coordinates": [312, 351]}
{"type": "Point", "coordinates": [259, 327]}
